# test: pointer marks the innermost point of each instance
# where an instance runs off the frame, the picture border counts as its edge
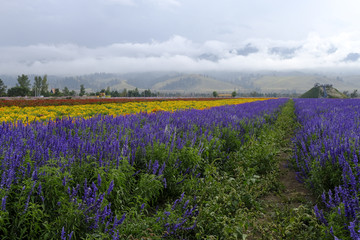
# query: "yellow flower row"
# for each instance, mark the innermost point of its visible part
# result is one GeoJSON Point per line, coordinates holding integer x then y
{"type": "Point", "coordinates": [11, 114]}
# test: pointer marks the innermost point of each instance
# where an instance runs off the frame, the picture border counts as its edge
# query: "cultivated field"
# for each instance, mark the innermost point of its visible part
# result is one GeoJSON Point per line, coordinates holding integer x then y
{"type": "Point", "coordinates": [179, 170]}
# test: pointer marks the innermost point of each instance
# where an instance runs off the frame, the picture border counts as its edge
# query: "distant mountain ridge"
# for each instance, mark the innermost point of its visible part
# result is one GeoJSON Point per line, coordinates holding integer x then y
{"type": "Point", "coordinates": [194, 83]}
{"type": "Point", "coordinates": [203, 82]}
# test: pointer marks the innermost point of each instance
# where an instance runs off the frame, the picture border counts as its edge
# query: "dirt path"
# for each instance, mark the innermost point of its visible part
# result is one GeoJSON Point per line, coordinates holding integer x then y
{"type": "Point", "coordinates": [294, 192]}
{"type": "Point", "coordinates": [286, 213]}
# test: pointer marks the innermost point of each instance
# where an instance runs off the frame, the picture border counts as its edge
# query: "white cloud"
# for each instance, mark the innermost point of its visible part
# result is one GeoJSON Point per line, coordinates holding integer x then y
{"type": "Point", "coordinates": [166, 3]}
{"type": "Point", "coordinates": [121, 2]}
{"type": "Point", "coordinates": [181, 54]}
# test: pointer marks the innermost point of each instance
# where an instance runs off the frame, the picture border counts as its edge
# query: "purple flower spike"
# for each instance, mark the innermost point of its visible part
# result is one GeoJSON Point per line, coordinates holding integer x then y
{"type": "Point", "coordinates": [110, 187]}
{"type": "Point", "coordinates": [3, 203]}
{"type": "Point", "coordinates": [63, 233]}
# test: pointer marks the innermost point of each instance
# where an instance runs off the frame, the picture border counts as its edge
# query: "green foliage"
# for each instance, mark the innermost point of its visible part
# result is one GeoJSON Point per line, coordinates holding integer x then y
{"type": "Point", "coordinates": [44, 86]}
{"type": "Point", "coordinates": [312, 93]}
{"type": "Point", "coordinates": [2, 88]}
{"type": "Point", "coordinates": [17, 91]}
{"type": "Point", "coordinates": [37, 85]}
{"type": "Point", "coordinates": [254, 176]}
{"type": "Point", "coordinates": [291, 223]}
{"type": "Point", "coordinates": [23, 82]}
{"type": "Point", "coordinates": [324, 178]}
{"type": "Point", "coordinates": [82, 90]}
{"type": "Point", "coordinates": [149, 188]}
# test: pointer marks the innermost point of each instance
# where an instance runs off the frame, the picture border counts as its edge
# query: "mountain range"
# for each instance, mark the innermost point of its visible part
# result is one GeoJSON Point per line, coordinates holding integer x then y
{"type": "Point", "coordinates": [204, 82]}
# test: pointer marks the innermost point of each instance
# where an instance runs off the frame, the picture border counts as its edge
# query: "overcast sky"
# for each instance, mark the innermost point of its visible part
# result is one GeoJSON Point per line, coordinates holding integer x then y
{"type": "Point", "coordinates": [86, 36]}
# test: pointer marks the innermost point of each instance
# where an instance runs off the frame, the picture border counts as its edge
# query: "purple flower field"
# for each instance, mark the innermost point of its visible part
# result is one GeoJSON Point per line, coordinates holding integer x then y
{"type": "Point", "coordinates": [327, 159]}
{"type": "Point", "coordinates": [109, 177]}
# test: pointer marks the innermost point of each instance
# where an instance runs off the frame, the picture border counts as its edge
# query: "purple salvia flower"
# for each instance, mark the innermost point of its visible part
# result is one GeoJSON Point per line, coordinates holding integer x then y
{"type": "Point", "coordinates": [182, 196]}
{"type": "Point", "coordinates": [111, 186]}
{"type": "Point", "coordinates": [93, 185]}
{"type": "Point", "coordinates": [320, 215]}
{"type": "Point", "coordinates": [122, 219]}
{"type": "Point", "coordinates": [155, 167]}
{"type": "Point", "coordinates": [162, 169]}
{"type": "Point", "coordinates": [64, 181]}
{"type": "Point", "coordinates": [70, 235]}
{"type": "Point", "coordinates": [28, 198]}
{"type": "Point", "coordinates": [353, 233]}
{"type": "Point", "coordinates": [174, 205]}
{"type": "Point", "coordinates": [28, 168]}
{"type": "Point", "coordinates": [3, 203]}
{"type": "Point", "coordinates": [181, 181]}
{"type": "Point", "coordinates": [3, 179]}
{"type": "Point", "coordinates": [34, 175]}
{"type": "Point", "coordinates": [136, 173]}
{"type": "Point", "coordinates": [63, 233]}
{"type": "Point", "coordinates": [192, 227]}
{"type": "Point", "coordinates": [164, 180]}
{"type": "Point", "coordinates": [185, 205]}
{"type": "Point", "coordinates": [39, 189]}
{"type": "Point", "coordinates": [116, 235]}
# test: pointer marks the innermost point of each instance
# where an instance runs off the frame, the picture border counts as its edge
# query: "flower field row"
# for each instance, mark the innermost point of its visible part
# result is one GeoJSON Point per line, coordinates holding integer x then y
{"type": "Point", "coordinates": [327, 158]}
{"type": "Point", "coordinates": [81, 101]}
{"type": "Point", "coordinates": [42, 113]}
{"type": "Point", "coordinates": [107, 177]}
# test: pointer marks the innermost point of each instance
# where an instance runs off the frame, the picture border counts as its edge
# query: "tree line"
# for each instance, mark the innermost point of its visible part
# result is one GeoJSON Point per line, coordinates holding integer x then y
{"type": "Point", "coordinates": [40, 88]}
{"type": "Point", "coordinates": [125, 93]}
{"type": "Point", "coordinates": [23, 87]}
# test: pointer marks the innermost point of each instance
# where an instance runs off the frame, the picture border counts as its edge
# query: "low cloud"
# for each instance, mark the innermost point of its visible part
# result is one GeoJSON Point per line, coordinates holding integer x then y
{"type": "Point", "coordinates": [181, 54]}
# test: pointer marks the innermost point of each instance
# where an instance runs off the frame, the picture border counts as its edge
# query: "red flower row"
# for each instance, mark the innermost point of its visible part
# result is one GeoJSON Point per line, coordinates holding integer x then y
{"type": "Point", "coordinates": [82, 101]}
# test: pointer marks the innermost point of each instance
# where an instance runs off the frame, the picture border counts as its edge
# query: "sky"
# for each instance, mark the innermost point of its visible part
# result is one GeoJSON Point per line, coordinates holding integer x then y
{"type": "Point", "coordinates": [70, 37]}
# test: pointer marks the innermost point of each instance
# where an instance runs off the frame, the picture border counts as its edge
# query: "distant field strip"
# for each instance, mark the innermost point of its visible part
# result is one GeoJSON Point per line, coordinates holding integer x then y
{"type": "Point", "coordinates": [43, 113]}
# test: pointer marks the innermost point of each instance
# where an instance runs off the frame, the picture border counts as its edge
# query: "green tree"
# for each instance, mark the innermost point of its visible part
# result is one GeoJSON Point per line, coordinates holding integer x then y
{"type": "Point", "coordinates": [24, 82]}
{"type": "Point", "coordinates": [82, 90]}
{"type": "Point", "coordinates": [44, 86]}
{"type": "Point", "coordinates": [37, 86]}
{"type": "Point", "coordinates": [146, 93]}
{"type": "Point", "coordinates": [354, 94]}
{"type": "Point", "coordinates": [233, 94]}
{"type": "Point", "coordinates": [124, 93]}
{"type": "Point", "coordinates": [136, 93]}
{"type": "Point", "coordinates": [2, 88]}
{"type": "Point", "coordinates": [107, 91]}
{"type": "Point", "coordinates": [66, 91]}
{"type": "Point", "coordinates": [57, 92]}
{"type": "Point", "coordinates": [17, 91]}
{"type": "Point", "coordinates": [215, 94]}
